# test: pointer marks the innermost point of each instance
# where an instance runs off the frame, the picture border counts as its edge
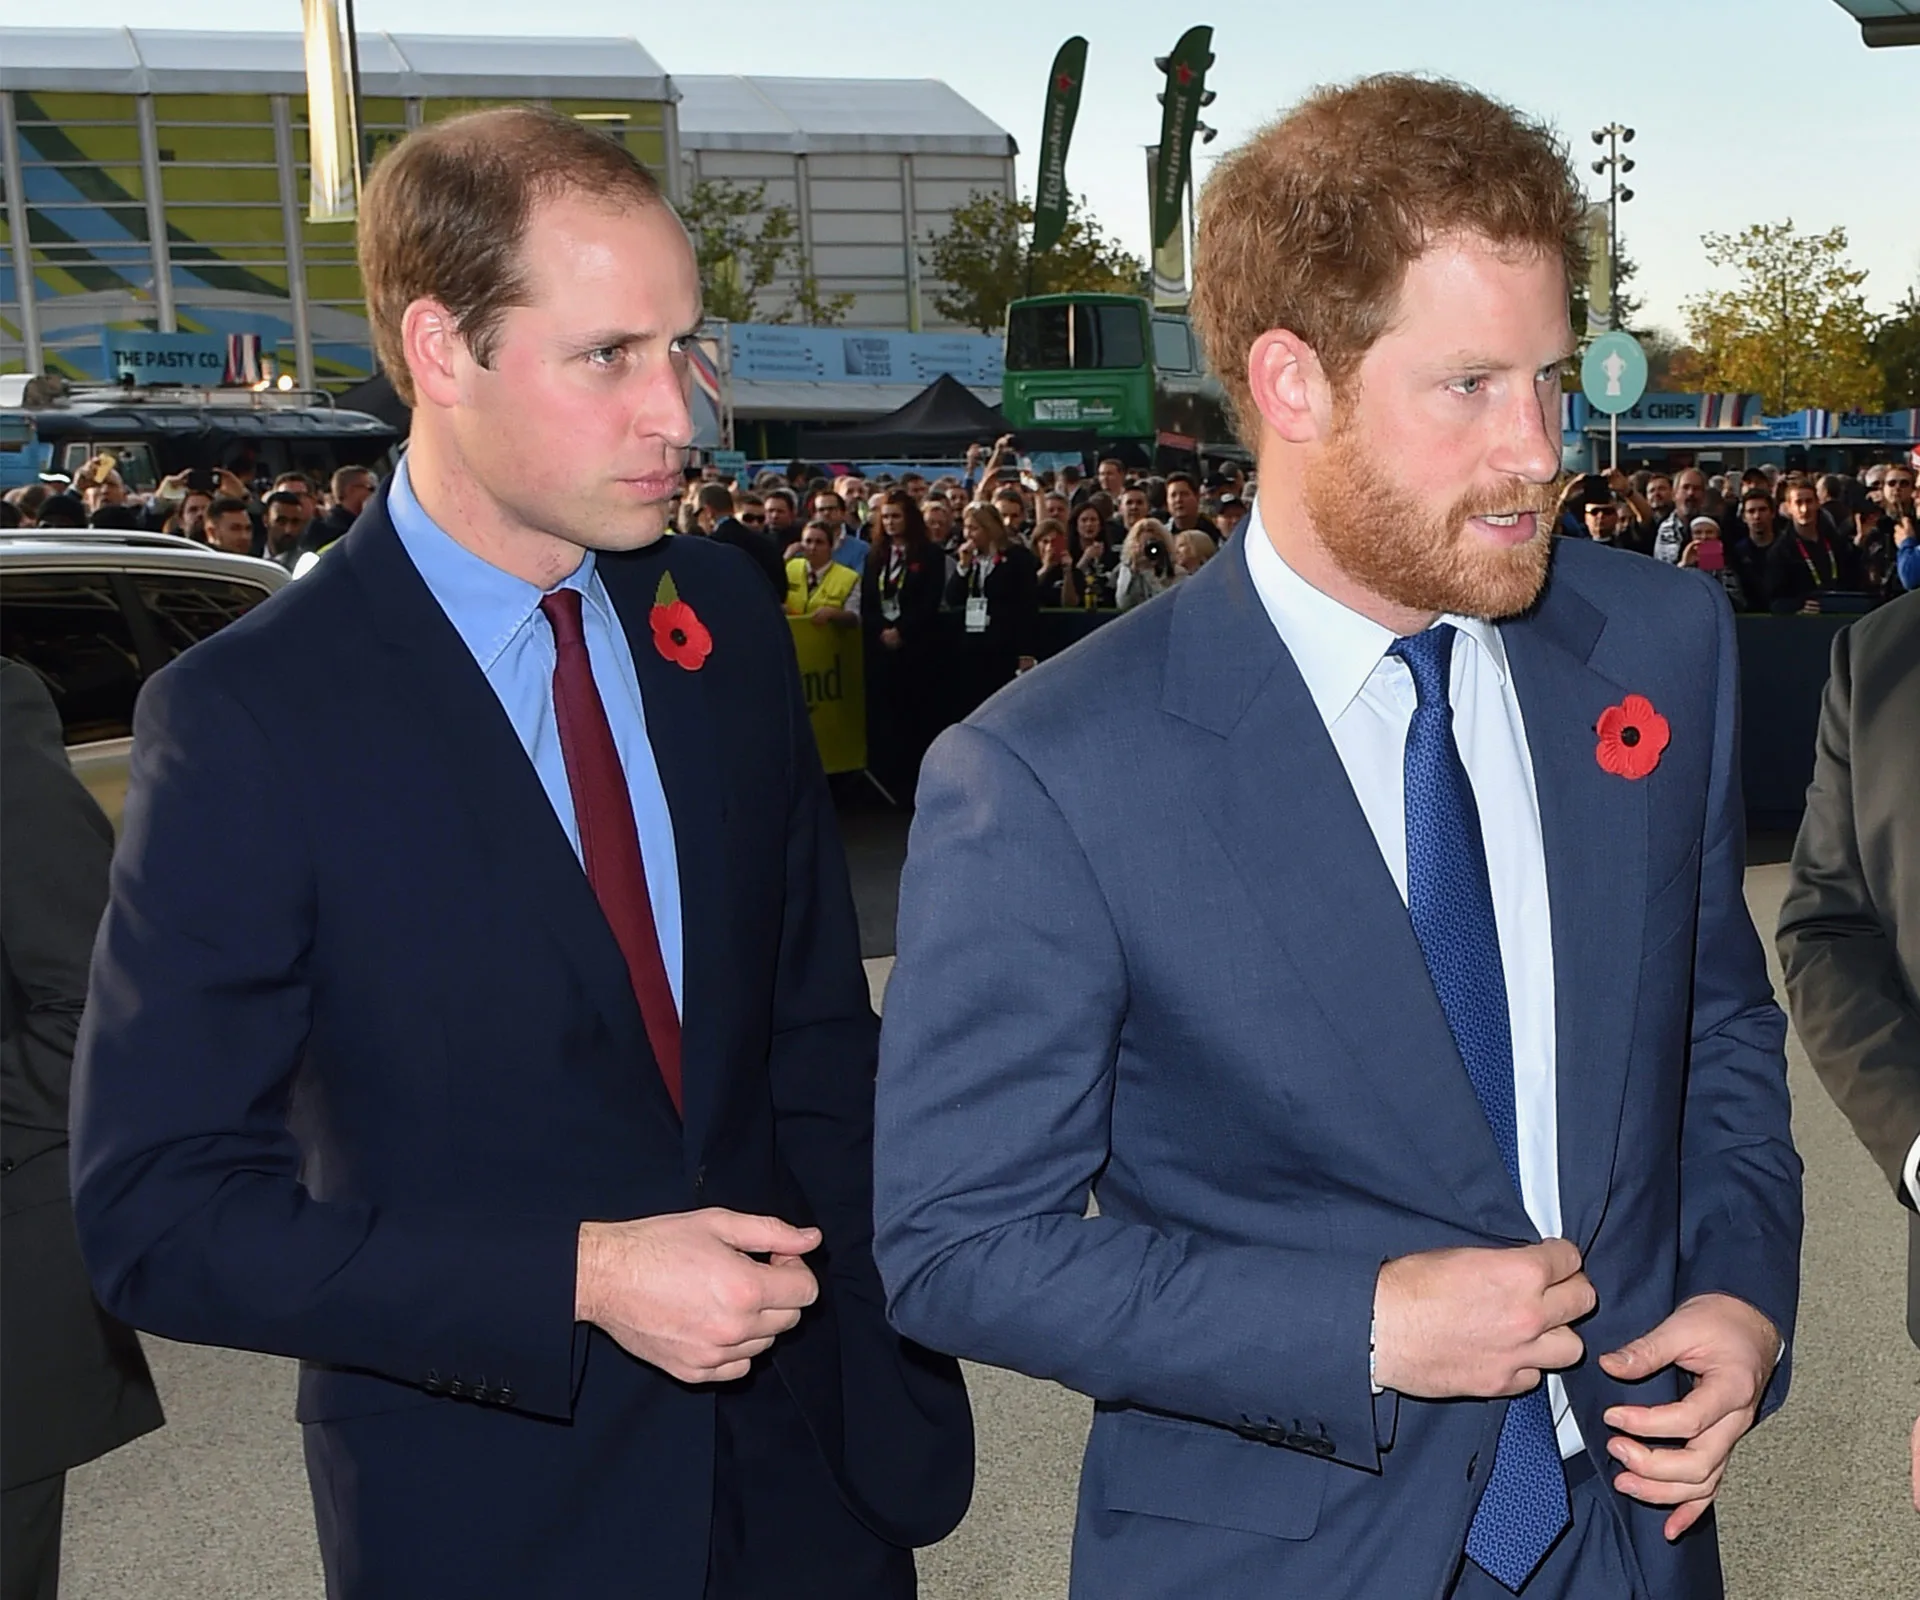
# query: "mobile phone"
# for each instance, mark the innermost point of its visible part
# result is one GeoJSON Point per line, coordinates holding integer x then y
{"type": "Point", "coordinates": [1710, 555]}
{"type": "Point", "coordinates": [203, 480]}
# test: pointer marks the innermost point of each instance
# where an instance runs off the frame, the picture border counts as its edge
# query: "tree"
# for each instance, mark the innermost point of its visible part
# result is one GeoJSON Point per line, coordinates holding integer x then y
{"type": "Point", "coordinates": [982, 258]}
{"type": "Point", "coordinates": [1896, 349]}
{"type": "Point", "coordinates": [740, 258]}
{"type": "Point", "coordinates": [1673, 365]}
{"type": "Point", "coordinates": [1795, 329]}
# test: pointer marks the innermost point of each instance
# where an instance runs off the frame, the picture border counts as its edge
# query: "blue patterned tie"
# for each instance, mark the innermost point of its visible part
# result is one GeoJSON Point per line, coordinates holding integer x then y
{"type": "Point", "coordinates": [1450, 898]}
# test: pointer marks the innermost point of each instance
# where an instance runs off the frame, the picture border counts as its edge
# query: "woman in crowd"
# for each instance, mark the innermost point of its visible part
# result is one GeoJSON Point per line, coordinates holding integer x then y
{"type": "Point", "coordinates": [997, 589]}
{"type": "Point", "coordinates": [1146, 564]}
{"type": "Point", "coordinates": [901, 590]}
{"type": "Point", "coordinates": [1192, 550]}
{"type": "Point", "coordinates": [1092, 524]}
{"type": "Point", "coordinates": [1059, 585]}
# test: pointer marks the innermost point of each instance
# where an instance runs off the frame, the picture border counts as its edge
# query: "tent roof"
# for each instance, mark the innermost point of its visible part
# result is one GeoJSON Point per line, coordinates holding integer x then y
{"type": "Point", "coordinates": [405, 65]}
{"type": "Point", "coordinates": [911, 116]}
{"type": "Point", "coordinates": [946, 412]}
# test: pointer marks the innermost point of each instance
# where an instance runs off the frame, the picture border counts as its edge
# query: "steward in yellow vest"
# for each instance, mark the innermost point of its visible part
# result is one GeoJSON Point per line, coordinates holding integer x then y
{"type": "Point", "coordinates": [828, 587]}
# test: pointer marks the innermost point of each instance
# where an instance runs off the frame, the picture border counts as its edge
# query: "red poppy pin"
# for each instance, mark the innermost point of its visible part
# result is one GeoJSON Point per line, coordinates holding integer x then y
{"type": "Point", "coordinates": [678, 634]}
{"type": "Point", "coordinates": [1632, 736]}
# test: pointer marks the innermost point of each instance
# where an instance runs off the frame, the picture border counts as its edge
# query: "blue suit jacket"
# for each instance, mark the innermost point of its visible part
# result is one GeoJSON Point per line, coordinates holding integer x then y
{"type": "Point", "coordinates": [362, 1053]}
{"type": "Point", "coordinates": [1156, 954]}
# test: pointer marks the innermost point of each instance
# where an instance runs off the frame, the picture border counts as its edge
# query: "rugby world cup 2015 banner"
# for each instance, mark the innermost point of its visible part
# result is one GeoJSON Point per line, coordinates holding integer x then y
{"type": "Point", "coordinates": [833, 675]}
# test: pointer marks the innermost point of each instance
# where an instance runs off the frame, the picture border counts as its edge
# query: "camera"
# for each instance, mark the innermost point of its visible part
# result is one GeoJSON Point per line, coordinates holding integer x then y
{"type": "Point", "coordinates": [1156, 551]}
{"type": "Point", "coordinates": [203, 480]}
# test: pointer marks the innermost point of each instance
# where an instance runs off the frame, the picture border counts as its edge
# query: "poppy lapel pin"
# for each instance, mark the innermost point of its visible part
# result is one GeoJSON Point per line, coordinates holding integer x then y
{"type": "Point", "coordinates": [678, 634]}
{"type": "Point", "coordinates": [1632, 737]}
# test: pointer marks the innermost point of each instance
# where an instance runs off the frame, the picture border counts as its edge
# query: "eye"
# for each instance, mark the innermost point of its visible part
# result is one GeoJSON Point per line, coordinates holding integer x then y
{"type": "Point", "coordinates": [607, 356]}
{"type": "Point", "coordinates": [1472, 383]}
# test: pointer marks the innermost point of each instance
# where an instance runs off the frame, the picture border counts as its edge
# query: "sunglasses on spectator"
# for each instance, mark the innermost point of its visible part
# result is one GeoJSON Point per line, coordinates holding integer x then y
{"type": "Point", "coordinates": [753, 518]}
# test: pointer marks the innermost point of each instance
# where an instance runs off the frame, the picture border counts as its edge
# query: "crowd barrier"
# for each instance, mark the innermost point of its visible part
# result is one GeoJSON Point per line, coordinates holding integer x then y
{"type": "Point", "coordinates": [1783, 671]}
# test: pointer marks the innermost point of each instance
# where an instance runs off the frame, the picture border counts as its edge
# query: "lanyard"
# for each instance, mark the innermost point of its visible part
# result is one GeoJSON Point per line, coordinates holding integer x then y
{"type": "Point", "coordinates": [983, 570]}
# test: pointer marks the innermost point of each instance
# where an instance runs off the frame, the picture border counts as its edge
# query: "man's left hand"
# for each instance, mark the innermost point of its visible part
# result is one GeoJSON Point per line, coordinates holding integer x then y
{"type": "Point", "coordinates": [1730, 1349]}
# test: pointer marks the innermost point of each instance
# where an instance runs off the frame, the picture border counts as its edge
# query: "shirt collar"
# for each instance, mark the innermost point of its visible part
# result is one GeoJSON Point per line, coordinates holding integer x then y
{"type": "Point", "coordinates": [486, 606]}
{"type": "Point", "coordinates": [1335, 648]}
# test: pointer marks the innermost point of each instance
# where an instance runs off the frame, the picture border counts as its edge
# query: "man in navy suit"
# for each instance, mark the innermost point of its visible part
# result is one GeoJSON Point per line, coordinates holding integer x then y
{"type": "Point", "coordinates": [1422, 1063]}
{"type": "Point", "coordinates": [478, 1016]}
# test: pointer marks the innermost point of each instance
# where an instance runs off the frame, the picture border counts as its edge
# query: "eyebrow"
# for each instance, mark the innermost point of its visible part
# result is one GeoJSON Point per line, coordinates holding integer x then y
{"type": "Point", "coordinates": [1474, 361]}
{"type": "Point", "coordinates": [609, 338]}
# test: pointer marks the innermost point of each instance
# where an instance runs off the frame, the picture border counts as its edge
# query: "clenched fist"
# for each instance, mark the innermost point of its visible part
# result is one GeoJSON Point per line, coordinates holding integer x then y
{"type": "Point", "coordinates": [1479, 1323]}
{"type": "Point", "coordinates": [684, 1292]}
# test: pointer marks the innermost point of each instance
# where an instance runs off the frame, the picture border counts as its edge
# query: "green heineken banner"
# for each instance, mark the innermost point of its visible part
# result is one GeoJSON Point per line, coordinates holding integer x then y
{"type": "Point", "coordinates": [1056, 133]}
{"type": "Point", "coordinates": [1186, 92]}
{"type": "Point", "coordinates": [1169, 265]}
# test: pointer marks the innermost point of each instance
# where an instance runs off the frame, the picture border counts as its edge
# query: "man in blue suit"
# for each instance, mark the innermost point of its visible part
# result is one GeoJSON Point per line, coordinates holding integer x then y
{"type": "Point", "coordinates": [478, 1015]}
{"type": "Point", "coordinates": [1382, 972]}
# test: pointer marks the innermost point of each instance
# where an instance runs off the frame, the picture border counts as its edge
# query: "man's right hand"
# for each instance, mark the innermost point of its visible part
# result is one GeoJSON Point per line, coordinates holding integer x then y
{"type": "Point", "coordinates": [1478, 1323]}
{"type": "Point", "coordinates": [684, 1293]}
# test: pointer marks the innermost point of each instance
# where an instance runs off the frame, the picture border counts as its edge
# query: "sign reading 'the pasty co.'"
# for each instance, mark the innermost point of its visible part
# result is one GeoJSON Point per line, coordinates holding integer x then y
{"type": "Point", "coordinates": [197, 359]}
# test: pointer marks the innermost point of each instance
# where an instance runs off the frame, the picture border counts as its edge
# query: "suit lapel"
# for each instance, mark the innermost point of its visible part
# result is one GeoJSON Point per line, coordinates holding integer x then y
{"type": "Point", "coordinates": [682, 730]}
{"type": "Point", "coordinates": [456, 714]}
{"type": "Point", "coordinates": [1593, 827]}
{"type": "Point", "coordinates": [1280, 801]}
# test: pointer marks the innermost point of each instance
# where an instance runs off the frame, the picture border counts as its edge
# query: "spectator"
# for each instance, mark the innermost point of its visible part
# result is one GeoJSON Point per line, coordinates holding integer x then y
{"type": "Point", "coordinates": [1010, 505]}
{"type": "Point", "coordinates": [848, 548]}
{"type": "Point", "coordinates": [1806, 563]}
{"type": "Point", "coordinates": [68, 510]}
{"type": "Point", "coordinates": [1134, 508]}
{"type": "Point", "coordinates": [783, 517]}
{"type": "Point", "coordinates": [1602, 519]}
{"type": "Point", "coordinates": [1053, 549]}
{"type": "Point", "coordinates": [1146, 564]}
{"type": "Point", "coordinates": [1229, 512]}
{"type": "Point", "coordinates": [1897, 501]}
{"type": "Point", "coordinates": [1054, 507]}
{"type": "Point", "coordinates": [939, 516]}
{"type": "Point", "coordinates": [28, 499]}
{"type": "Point", "coordinates": [1751, 554]}
{"type": "Point", "coordinates": [901, 591]}
{"type": "Point", "coordinates": [352, 488]}
{"type": "Point", "coordinates": [1192, 550]}
{"type": "Point", "coordinates": [1111, 475]}
{"type": "Point", "coordinates": [1706, 552]}
{"type": "Point", "coordinates": [1183, 508]}
{"type": "Point", "coordinates": [300, 484]}
{"type": "Point", "coordinates": [915, 485]}
{"type": "Point", "coordinates": [1097, 557]}
{"type": "Point", "coordinates": [997, 587]}
{"type": "Point", "coordinates": [98, 483]}
{"type": "Point", "coordinates": [286, 528]}
{"type": "Point", "coordinates": [1674, 532]}
{"type": "Point", "coordinates": [230, 526]}
{"type": "Point", "coordinates": [189, 519]}
{"type": "Point", "coordinates": [818, 587]}
{"type": "Point", "coordinates": [730, 513]}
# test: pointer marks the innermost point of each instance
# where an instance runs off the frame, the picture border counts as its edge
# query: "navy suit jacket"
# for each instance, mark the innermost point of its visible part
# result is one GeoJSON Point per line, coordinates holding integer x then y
{"type": "Point", "coordinates": [362, 1053]}
{"type": "Point", "coordinates": [1155, 955]}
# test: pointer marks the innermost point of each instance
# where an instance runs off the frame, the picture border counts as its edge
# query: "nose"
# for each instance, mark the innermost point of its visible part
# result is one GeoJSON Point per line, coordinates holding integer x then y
{"type": "Point", "coordinates": [1530, 444]}
{"type": "Point", "coordinates": [666, 408]}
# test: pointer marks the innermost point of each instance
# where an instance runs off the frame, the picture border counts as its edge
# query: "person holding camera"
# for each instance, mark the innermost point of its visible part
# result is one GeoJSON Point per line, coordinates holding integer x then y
{"type": "Point", "coordinates": [1059, 581]}
{"type": "Point", "coordinates": [1146, 564]}
{"type": "Point", "coordinates": [996, 585]}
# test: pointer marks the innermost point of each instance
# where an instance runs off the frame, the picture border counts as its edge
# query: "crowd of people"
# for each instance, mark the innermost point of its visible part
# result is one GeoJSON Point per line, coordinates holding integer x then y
{"type": "Point", "coordinates": [1778, 541]}
{"type": "Point", "coordinates": [286, 518]}
{"type": "Point", "coordinates": [994, 543]}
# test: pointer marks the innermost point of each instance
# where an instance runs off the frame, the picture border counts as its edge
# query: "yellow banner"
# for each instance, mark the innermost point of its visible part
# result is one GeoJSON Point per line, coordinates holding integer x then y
{"type": "Point", "coordinates": [833, 673]}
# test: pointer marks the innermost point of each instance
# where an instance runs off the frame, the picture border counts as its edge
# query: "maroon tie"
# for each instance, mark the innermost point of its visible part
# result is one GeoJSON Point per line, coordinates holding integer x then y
{"type": "Point", "coordinates": [609, 841]}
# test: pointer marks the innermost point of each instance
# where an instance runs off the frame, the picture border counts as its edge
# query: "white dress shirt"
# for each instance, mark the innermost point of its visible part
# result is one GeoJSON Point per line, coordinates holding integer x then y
{"type": "Point", "coordinates": [1913, 1172]}
{"type": "Point", "coordinates": [1366, 699]}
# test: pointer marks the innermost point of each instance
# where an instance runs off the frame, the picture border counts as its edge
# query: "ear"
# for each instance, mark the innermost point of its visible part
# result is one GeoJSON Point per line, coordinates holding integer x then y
{"type": "Point", "coordinates": [434, 351]}
{"type": "Point", "coordinates": [1290, 387]}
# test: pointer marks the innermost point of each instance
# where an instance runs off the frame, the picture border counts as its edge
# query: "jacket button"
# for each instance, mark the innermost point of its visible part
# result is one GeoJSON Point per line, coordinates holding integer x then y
{"type": "Point", "coordinates": [456, 1388]}
{"type": "Point", "coordinates": [6, 1164]}
{"type": "Point", "coordinates": [1473, 1465]}
{"type": "Point", "coordinates": [503, 1395]}
{"type": "Point", "coordinates": [699, 1179]}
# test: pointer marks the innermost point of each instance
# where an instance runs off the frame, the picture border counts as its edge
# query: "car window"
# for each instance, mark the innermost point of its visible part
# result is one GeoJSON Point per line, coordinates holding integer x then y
{"type": "Point", "coordinates": [189, 607]}
{"type": "Point", "coordinates": [69, 627]}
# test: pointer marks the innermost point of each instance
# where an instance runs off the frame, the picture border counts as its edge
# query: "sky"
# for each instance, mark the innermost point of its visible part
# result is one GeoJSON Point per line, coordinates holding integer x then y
{"type": "Point", "coordinates": [1744, 110]}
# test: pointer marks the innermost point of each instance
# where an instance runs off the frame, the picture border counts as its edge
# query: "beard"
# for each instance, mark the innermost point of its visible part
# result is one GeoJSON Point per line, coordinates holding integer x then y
{"type": "Point", "coordinates": [1390, 542]}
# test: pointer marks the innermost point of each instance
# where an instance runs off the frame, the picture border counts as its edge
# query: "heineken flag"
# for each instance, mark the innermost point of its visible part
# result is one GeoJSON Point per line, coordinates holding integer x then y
{"type": "Point", "coordinates": [1056, 133]}
{"type": "Point", "coordinates": [333, 131]}
{"type": "Point", "coordinates": [1180, 109]}
{"type": "Point", "coordinates": [1169, 267]}
{"type": "Point", "coordinates": [1599, 271]}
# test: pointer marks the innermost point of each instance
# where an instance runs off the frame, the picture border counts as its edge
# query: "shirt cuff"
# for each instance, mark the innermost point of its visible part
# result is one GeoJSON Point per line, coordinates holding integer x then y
{"type": "Point", "coordinates": [1911, 1173]}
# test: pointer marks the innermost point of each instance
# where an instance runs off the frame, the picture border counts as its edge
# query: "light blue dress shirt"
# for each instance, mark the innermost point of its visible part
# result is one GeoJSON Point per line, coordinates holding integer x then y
{"type": "Point", "coordinates": [499, 617]}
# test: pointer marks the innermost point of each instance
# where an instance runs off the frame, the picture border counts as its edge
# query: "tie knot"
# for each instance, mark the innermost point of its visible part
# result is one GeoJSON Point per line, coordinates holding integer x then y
{"type": "Point", "coordinates": [1428, 656]}
{"type": "Point", "coordinates": [562, 609]}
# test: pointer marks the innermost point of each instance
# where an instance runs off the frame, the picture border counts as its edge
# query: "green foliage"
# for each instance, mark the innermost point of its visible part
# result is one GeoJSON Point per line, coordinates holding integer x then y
{"type": "Point", "coordinates": [1795, 329]}
{"type": "Point", "coordinates": [743, 245]}
{"type": "Point", "coordinates": [1896, 347]}
{"type": "Point", "coordinates": [983, 260]}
